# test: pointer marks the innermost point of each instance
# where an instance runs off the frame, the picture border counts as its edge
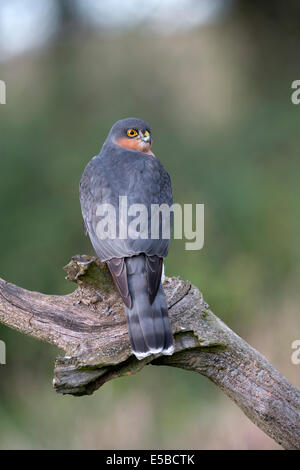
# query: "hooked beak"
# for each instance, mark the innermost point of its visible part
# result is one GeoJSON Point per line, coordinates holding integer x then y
{"type": "Point", "coordinates": [145, 137]}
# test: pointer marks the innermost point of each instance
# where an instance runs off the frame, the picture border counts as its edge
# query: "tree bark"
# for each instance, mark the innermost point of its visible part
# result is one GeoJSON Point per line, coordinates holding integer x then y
{"type": "Point", "coordinates": [89, 325]}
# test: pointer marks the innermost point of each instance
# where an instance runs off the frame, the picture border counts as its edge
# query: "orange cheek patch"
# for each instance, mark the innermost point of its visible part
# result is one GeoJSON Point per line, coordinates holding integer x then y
{"type": "Point", "coordinates": [131, 144]}
{"type": "Point", "coordinates": [134, 144]}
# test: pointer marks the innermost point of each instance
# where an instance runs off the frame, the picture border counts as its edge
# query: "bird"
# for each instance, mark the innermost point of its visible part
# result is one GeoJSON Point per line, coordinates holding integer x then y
{"type": "Point", "coordinates": [127, 167]}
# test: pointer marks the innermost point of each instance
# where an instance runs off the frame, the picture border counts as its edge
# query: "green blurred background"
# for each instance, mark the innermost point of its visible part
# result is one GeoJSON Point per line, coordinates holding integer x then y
{"type": "Point", "coordinates": [214, 80]}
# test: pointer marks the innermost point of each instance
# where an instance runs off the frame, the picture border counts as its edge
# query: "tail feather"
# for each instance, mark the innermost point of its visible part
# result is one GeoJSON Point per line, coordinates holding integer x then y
{"type": "Point", "coordinates": [161, 312]}
{"type": "Point", "coordinates": [136, 335]}
{"type": "Point", "coordinates": [148, 325]}
{"type": "Point", "coordinates": [169, 341]}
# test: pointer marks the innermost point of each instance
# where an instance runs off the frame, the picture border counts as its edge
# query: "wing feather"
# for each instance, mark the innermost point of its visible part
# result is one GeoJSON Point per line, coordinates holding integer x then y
{"type": "Point", "coordinates": [118, 271]}
{"type": "Point", "coordinates": [154, 269]}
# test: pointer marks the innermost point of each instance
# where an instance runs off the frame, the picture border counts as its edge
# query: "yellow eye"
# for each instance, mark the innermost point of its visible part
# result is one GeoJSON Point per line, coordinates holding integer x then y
{"type": "Point", "coordinates": [147, 133]}
{"type": "Point", "coordinates": [132, 133]}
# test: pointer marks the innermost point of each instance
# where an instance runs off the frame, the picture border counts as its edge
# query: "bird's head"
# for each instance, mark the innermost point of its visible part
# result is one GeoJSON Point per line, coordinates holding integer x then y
{"type": "Point", "coordinates": [133, 134]}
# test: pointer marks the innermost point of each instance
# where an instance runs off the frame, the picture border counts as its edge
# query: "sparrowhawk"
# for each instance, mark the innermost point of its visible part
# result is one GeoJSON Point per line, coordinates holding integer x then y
{"type": "Point", "coordinates": [126, 166]}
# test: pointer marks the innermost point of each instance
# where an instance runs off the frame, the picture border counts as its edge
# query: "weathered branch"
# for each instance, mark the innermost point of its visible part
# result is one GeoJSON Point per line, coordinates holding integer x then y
{"type": "Point", "coordinates": [90, 326]}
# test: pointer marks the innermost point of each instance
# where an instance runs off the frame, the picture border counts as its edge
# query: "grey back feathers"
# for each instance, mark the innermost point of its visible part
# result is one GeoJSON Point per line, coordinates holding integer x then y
{"type": "Point", "coordinates": [119, 172]}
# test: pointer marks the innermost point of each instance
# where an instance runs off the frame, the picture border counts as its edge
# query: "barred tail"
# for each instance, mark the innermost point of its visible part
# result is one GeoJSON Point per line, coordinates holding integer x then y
{"type": "Point", "coordinates": [148, 325]}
